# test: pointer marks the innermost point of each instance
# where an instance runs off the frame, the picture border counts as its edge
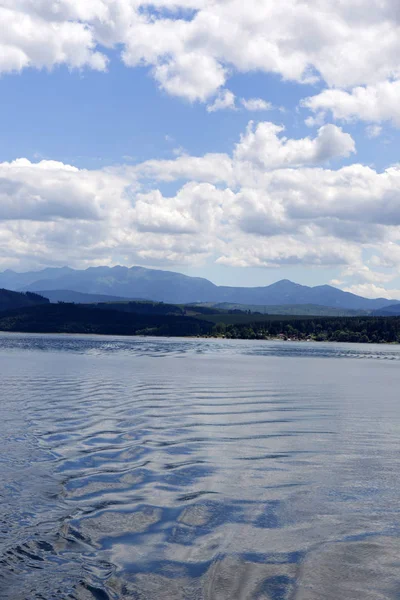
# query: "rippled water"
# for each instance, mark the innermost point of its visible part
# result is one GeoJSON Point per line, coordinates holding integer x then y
{"type": "Point", "coordinates": [198, 469]}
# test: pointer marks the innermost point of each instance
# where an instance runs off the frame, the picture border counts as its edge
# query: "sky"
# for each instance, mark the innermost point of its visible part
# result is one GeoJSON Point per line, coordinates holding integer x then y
{"type": "Point", "coordinates": [245, 142]}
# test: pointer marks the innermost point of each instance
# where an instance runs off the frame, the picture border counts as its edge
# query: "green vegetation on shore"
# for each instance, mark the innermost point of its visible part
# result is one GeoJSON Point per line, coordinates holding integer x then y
{"type": "Point", "coordinates": [170, 320]}
{"type": "Point", "coordinates": [326, 329]}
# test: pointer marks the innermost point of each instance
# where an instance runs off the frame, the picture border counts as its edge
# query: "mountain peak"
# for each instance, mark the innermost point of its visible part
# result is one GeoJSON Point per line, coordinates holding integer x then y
{"type": "Point", "coordinates": [286, 283]}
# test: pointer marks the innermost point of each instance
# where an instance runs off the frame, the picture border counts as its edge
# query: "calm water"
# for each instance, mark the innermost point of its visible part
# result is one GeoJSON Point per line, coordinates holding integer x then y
{"type": "Point", "coordinates": [196, 469]}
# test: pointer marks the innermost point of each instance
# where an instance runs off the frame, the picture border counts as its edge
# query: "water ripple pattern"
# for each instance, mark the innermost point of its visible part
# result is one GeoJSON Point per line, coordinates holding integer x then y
{"type": "Point", "coordinates": [148, 469]}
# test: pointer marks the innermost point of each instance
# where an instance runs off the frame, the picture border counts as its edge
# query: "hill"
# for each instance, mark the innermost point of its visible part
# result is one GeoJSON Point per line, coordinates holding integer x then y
{"type": "Point", "coordinates": [78, 318]}
{"type": "Point", "coordinates": [10, 300]}
{"type": "Point", "coordinates": [143, 307]}
{"type": "Point", "coordinates": [228, 314]}
{"type": "Point", "coordinates": [393, 310]}
{"type": "Point", "coordinates": [287, 309]}
{"type": "Point", "coordinates": [175, 288]}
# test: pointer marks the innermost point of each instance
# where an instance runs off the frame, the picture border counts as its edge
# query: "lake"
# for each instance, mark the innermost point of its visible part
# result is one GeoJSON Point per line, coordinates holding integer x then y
{"type": "Point", "coordinates": [158, 469]}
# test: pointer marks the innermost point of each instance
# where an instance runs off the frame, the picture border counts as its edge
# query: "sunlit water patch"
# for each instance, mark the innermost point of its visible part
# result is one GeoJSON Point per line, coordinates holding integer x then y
{"type": "Point", "coordinates": [198, 469]}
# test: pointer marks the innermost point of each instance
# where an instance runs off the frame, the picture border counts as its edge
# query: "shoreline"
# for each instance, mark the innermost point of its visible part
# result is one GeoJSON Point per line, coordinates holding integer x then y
{"type": "Point", "coordinates": [191, 337]}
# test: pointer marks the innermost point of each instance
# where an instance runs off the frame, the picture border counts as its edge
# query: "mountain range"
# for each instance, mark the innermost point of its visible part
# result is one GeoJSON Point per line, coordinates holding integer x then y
{"type": "Point", "coordinates": [176, 288]}
{"type": "Point", "coordinates": [388, 311]}
{"type": "Point", "coordinates": [80, 297]}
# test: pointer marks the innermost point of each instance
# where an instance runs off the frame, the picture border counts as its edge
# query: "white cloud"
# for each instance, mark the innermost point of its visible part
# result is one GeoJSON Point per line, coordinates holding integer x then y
{"type": "Point", "coordinates": [373, 131]}
{"type": "Point", "coordinates": [256, 104]}
{"type": "Point", "coordinates": [28, 39]}
{"type": "Point", "coordinates": [360, 274]}
{"type": "Point", "coordinates": [224, 100]}
{"type": "Point", "coordinates": [50, 190]}
{"type": "Point", "coordinates": [261, 147]}
{"type": "Point", "coordinates": [193, 76]}
{"type": "Point", "coordinates": [262, 144]}
{"type": "Point", "coordinates": [336, 282]}
{"type": "Point", "coordinates": [374, 103]}
{"type": "Point", "coordinates": [192, 46]}
{"type": "Point", "coordinates": [388, 257]}
{"type": "Point", "coordinates": [289, 250]}
{"type": "Point", "coordinates": [262, 205]}
{"type": "Point", "coordinates": [370, 290]}
{"type": "Point", "coordinates": [196, 208]}
{"type": "Point", "coordinates": [317, 121]}
{"type": "Point", "coordinates": [213, 168]}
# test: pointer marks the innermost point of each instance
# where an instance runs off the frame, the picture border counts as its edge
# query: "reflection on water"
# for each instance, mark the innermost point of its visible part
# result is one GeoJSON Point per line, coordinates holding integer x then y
{"type": "Point", "coordinates": [198, 470]}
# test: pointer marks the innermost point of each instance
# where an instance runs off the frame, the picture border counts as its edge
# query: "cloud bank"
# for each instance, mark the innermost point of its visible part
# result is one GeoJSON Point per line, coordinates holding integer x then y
{"type": "Point", "coordinates": [193, 46]}
{"type": "Point", "coordinates": [273, 201]}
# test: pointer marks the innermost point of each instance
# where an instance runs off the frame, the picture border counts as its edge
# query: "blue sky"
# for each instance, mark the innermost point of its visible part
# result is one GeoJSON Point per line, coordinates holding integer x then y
{"type": "Point", "coordinates": [127, 138]}
{"type": "Point", "coordinates": [92, 118]}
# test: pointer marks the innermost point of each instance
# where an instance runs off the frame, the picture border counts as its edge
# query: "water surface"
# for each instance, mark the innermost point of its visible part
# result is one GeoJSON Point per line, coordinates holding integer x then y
{"type": "Point", "coordinates": [198, 469]}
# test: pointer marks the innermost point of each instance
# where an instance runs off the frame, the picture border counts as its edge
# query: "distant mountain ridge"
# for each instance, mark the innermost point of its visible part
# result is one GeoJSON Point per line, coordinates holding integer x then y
{"type": "Point", "coordinates": [393, 310]}
{"type": "Point", "coordinates": [176, 288]}
{"type": "Point", "coordinates": [80, 297]}
{"type": "Point", "coordinates": [292, 309]}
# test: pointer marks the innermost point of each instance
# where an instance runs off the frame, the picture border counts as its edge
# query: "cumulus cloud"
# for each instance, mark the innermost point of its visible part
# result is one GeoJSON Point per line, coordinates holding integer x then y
{"type": "Point", "coordinates": [374, 103]}
{"type": "Point", "coordinates": [262, 143]}
{"type": "Point", "coordinates": [256, 104]}
{"type": "Point", "coordinates": [31, 38]}
{"type": "Point", "coordinates": [261, 147]}
{"type": "Point", "coordinates": [290, 250]}
{"type": "Point", "coordinates": [265, 204]}
{"type": "Point", "coordinates": [50, 190]}
{"type": "Point", "coordinates": [196, 208]}
{"type": "Point", "coordinates": [224, 100]}
{"type": "Point", "coordinates": [370, 290]}
{"type": "Point", "coordinates": [193, 46]}
{"type": "Point", "coordinates": [192, 76]}
{"type": "Point", "coordinates": [213, 168]}
{"type": "Point", "coordinates": [362, 274]}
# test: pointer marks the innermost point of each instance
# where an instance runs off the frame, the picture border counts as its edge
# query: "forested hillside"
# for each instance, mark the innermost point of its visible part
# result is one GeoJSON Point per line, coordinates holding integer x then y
{"type": "Point", "coordinates": [78, 318]}
{"type": "Point", "coordinates": [11, 300]}
{"type": "Point", "coordinates": [72, 318]}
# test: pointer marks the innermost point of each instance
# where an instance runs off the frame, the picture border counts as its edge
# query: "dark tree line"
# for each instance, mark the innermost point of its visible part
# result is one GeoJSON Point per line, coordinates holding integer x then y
{"type": "Point", "coordinates": [335, 329]}
{"type": "Point", "coordinates": [79, 318]}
